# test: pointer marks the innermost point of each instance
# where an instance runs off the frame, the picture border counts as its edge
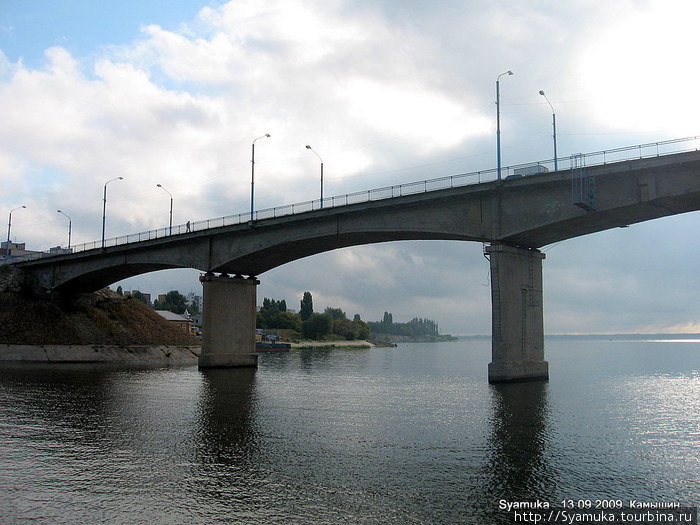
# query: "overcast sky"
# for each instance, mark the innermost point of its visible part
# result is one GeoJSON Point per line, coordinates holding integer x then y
{"type": "Point", "coordinates": [386, 91]}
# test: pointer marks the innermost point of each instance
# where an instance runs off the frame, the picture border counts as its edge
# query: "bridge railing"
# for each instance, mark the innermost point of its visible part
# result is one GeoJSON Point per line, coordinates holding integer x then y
{"type": "Point", "coordinates": [640, 151]}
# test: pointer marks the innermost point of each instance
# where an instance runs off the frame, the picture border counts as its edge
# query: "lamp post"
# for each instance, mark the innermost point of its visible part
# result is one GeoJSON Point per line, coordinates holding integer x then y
{"type": "Point", "coordinates": [554, 129]}
{"type": "Point", "coordinates": [319, 158]}
{"type": "Point", "coordinates": [69, 226]}
{"type": "Point", "coordinates": [171, 207]}
{"type": "Point", "coordinates": [104, 208]}
{"type": "Point", "coordinates": [252, 174]}
{"type": "Point", "coordinates": [498, 120]}
{"type": "Point", "coordinates": [9, 226]}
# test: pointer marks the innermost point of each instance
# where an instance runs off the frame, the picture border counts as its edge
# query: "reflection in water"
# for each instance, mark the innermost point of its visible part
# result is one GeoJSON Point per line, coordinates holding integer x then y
{"type": "Point", "coordinates": [225, 402]}
{"type": "Point", "coordinates": [225, 470]}
{"type": "Point", "coordinates": [519, 468]}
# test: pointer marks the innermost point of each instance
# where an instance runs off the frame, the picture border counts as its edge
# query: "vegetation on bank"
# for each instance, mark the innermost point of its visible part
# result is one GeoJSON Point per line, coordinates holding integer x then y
{"type": "Point", "coordinates": [334, 324]}
{"type": "Point", "coordinates": [101, 318]}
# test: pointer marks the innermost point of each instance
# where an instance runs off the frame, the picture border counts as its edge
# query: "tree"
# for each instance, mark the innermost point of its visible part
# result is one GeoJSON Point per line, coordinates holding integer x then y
{"type": "Point", "coordinates": [307, 306]}
{"type": "Point", "coordinates": [362, 329]}
{"type": "Point", "coordinates": [173, 301]}
{"type": "Point", "coordinates": [140, 297]}
{"type": "Point", "coordinates": [274, 314]}
{"type": "Point", "coordinates": [317, 326]}
{"type": "Point", "coordinates": [120, 292]}
{"type": "Point", "coordinates": [345, 328]}
{"type": "Point", "coordinates": [335, 313]}
{"type": "Point", "coordinates": [416, 327]}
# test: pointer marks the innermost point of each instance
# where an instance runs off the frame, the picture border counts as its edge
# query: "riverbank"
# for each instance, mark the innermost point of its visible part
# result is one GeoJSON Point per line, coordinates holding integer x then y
{"type": "Point", "coordinates": [330, 345]}
{"type": "Point", "coordinates": [166, 355]}
{"type": "Point", "coordinates": [100, 319]}
{"type": "Point", "coordinates": [101, 327]}
{"type": "Point", "coordinates": [392, 338]}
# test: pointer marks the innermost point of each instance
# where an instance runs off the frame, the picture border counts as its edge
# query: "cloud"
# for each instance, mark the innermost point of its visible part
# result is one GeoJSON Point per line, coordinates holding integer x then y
{"type": "Point", "coordinates": [640, 70]}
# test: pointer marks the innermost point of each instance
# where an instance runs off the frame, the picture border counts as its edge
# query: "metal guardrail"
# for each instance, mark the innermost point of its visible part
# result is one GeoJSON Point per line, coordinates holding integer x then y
{"type": "Point", "coordinates": [596, 158]}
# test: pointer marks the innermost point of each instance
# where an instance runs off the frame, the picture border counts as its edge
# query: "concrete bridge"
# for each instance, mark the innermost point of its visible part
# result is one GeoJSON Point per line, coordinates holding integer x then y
{"type": "Point", "coordinates": [515, 216]}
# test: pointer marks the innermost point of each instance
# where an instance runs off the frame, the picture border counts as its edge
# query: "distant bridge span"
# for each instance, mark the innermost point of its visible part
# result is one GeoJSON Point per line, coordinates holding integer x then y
{"type": "Point", "coordinates": [516, 216]}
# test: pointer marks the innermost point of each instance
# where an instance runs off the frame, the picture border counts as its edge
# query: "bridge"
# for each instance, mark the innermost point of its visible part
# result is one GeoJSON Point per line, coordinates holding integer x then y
{"type": "Point", "coordinates": [515, 216]}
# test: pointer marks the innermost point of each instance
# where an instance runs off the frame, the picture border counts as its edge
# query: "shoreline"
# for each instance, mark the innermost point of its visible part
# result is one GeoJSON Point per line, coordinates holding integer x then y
{"type": "Point", "coordinates": [330, 345]}
{"type": "Point", "coordinates": [136, 354]}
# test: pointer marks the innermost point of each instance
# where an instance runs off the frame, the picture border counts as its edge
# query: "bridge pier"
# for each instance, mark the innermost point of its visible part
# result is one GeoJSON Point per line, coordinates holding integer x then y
{"type": "Point", "coordinates": [517, 327]}
{"type": "Point", "coordinates": [228, 321]}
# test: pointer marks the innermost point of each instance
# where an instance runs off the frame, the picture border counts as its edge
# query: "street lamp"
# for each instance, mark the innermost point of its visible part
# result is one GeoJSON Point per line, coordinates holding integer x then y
{"type": "Point", "coordinates": [319, 158]}
{"type": "Point", "coordinates": [171, 207]}
{"type": "Point", "coordinates": [9, 225]}
{"type": "Point", "coordinates": [252, 174]}
{"type": "Point", "coordinates": [498, 120]}
{"type": "Point", "coordinates": [69, 226]}
{"type": "Point", "coordinates": [554, 129]}
{"type": "Point", "coordinates": [104, 207]}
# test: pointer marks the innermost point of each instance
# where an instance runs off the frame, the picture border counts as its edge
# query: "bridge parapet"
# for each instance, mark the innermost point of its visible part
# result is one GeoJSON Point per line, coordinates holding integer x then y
{"type": "Point", "coordinates": [576, 162]}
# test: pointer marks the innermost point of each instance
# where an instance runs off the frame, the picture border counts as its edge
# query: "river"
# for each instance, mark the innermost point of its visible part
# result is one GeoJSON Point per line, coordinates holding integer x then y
{"type": "Point", "coordinates": [412, 434]}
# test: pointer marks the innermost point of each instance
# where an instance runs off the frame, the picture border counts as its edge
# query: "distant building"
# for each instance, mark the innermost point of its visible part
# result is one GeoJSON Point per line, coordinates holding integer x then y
{"type": "Point", "coordinates": [182, 321]}
{"type": "Point", "coordinates": [17, 249]}
{"type": "Point", "coordinates": [58, 250]}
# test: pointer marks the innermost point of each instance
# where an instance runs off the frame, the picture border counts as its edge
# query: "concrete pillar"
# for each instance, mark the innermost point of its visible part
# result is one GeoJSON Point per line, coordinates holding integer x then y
{"type": "Point", "coordinates": [517, 327]}
{"type": "Point", "coordinates": [228, 321]}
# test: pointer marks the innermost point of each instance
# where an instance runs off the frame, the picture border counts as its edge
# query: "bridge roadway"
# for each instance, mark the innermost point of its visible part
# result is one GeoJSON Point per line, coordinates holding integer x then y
{"type": "Point", "coordinates": [516, 216]}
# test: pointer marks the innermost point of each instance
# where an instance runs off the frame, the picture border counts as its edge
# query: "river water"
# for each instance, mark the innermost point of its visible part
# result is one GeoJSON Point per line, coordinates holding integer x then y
{"type": "Point", "coordinates": [413, 434]}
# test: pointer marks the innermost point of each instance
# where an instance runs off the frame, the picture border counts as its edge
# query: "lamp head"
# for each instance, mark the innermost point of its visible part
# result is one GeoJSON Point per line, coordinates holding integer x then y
{"type": "Point", "coordinates": [159, 185]}
{"type": "Point", "coordinates": [308, 147]}
{"type": "Point", "coordinates": [509, 73]}
{"type": "Point", "coordinates": [542, 92]}
{"type": "Point", "coordinates": [267, 134]}
{"type": "Point", "coordinates": [23, 206]}
{"type": "Point", "coordinates": [120, 178]}
{"type": "Point", "coordinates": [59, 211]}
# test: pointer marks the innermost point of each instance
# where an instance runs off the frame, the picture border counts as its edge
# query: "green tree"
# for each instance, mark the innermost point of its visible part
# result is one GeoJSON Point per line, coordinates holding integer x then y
{"type": "Point", "coordinates": [317, 326]}
{"type": "Point", "coordinates": [307, 306]}
{"type": "Point", "coordinates": [345, 329]}
{"type": "Point", "coordinates": [362, 329]}
{"type": "Point", "coordinates": [120, 291]}
{"type": "Point", "coordinates": [274, 314]}
{"type": "Point", "coordinates": [173, 301]}
{"type": "Point", "coordinates": [289, 320]}
{"type": "Point", "coordinates": [335, 313]}
{"type": "Point", "coordinates": [415, 327]}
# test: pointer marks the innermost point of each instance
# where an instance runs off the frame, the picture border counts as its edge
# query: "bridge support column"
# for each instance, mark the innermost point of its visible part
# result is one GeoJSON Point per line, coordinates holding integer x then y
{"type": "Point", "coordinates": [228, 321]}
{"type": "Point", "coordinates": [517, 327]}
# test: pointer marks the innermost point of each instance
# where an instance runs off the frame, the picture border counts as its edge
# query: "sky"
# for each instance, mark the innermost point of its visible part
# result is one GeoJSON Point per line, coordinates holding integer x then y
{"type": "Point", "coordinates": [386, 92]}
